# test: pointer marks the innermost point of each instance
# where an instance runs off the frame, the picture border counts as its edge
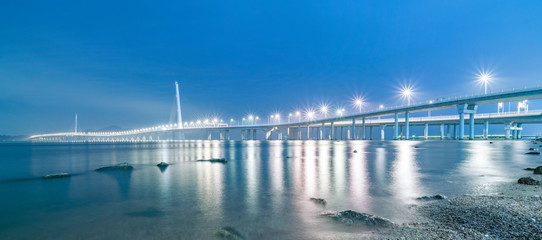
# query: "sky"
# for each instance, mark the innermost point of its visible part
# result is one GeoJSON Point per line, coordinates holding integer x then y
{"type": "Point", "coordinates": [115, 62]}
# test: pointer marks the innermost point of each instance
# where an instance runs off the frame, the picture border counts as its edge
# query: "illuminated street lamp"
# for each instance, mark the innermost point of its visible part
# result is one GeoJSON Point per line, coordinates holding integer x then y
{"type": "Point", "coordinates": [484, 78]}
{"type": "Point", "coordinates": [323, 110]}
{"type": "Point", "coordinates": [251, 119]}
{"type": "Point", "coordinates": [310, 115]}
{"type": "Point", "coordinates": [289, 117]}
{"type": "Point", "coordinates": [256, 119]}
{"type": "Point", "coordinates": [407, 92]}
{"type": "Point", "coordinates": [277, 118]}
{"type": "Point", "coordinates": [298, 114]}
{"type": "Point", "coordinates": [358, 102]}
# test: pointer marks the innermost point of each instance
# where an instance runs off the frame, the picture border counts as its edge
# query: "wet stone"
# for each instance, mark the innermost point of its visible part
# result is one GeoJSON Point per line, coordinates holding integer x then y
{"type": "Point", "coordinates": [214, 160]}
{"type": "Point", "coordinates": [355, 218]}
{"type": "Point", "coordinates": [56, 175]}
{"type": "Point", "coordinates": [430, 198]}
{"type": "Point", "coordinates": [538, 170]}
{"type": "Point", "coordinates": [319, 201]}
{"type": "Point", "coordinates": [162, 164]}
{"type": "Point", "coordinates": [528, 181]}
{"type": "Point", "coordinates": [229, 233]}
{"type": "Point", "coordinates": [120, 166]}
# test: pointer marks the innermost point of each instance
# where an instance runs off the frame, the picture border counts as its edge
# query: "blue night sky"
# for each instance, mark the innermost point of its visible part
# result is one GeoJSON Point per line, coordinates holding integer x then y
{"type": "Point", "coordinates": [115, 62]}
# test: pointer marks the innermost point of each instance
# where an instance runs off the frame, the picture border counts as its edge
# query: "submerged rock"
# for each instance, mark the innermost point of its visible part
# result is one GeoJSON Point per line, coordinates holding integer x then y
{"type": "Point", "coordinates": [528, 169]}
{"type": "Point", "coordinates": [229, 233]}
{"type": "Point", "coordinates": [538, 170]}
{"type": "Point", "coordinates": [355, 151]}
{"type": "Point", "coordinates": [214, 160]}
{"type": "Point", "coordinates": [162, 164]}
{"type": "Point", "coordinates": [490, 142]}
{"type": "Point", "coordinates": [416, 147]}
{"type": "Point", "coordinates": [56, 175]}
{"type": "Point", "coordinates": [533, 152]}
{"type": "Point", "coordinates": [352, 217]}
{"type": "Point", "coordinates": [430, 198]}
{"type": "Point", "coordinates": [319, 201]}
{"type": "Point", "coordinates": [531, 149]}
{"type": "Point", "coordinates": [120, 166]}
{"type": "Point", "coordinates": [528, 181]}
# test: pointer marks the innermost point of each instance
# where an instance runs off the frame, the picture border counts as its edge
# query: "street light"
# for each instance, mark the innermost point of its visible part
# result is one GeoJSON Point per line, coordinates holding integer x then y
{"type": "Point", "coordinates": [277, 117]}
{"type": "Point", "coordinates": [251, 119]}
{"type": "Point", "coordinates": [323, 109]}
{"type": "Point", "coordinates": [310, 115]}
{"type": "Point", "coordinates": [289, 117]}
{"type": "Point", "coordinates": [298, 114]}
{"type": "Point", "coordinates": [484, 78]}
{"type": "Point", "coordinates": [407, 92]}
{"type": "Point", "coordinates": [358, 101]}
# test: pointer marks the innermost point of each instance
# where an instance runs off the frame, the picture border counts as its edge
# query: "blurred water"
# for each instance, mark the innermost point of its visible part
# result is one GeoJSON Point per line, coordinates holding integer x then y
{"type": "Point", "coordinates": [263, 190]}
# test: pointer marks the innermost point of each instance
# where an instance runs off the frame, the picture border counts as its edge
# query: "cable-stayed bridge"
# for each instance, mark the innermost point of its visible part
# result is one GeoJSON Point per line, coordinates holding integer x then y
{"type": "Point", "coordinates": [359, 126]}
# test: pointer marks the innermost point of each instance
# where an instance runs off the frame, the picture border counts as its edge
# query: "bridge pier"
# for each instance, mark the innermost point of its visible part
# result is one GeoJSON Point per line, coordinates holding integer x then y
{"type": "Point", "coordinates": [507, 129]}
{"type": "Point", "coordinates": [448, 131]}
{"type": "Point", "coordinates": [364, 137]}
{"type": "Point", "coordinates": [227, 135]}
{"type": "Point", "coordinates": [298, 132]}
{"type": "Point", "coordinates": [322, 130]}
{"type": "Point", "coordinates": [441, 131]}
{"type": "Point", "coordinates": [396, 127]}
{"type": "Point", "coordinates": [407, 126]}
{"type": "Point", "coordinates": [253, 134]}
{"type": "Point", "coordinates": [382, 132]}
{"type": "Point", "coordinates": [519, 129]}
{"type": "Point", "coordinates": [371, 133]}
{"type": "Point", "coordinates": [469, 109]}
{"type": "Point", "coordinates": [486, 129]}
{"type": "Point", "coordinates": [353, 131]}
{"type": "Point", "coordinates": [279, 136]}
{"type": "Point", "coordinates": [426, 131]}
{"type": "Point", "coordinates": [331, 132]}
{"type": "Point", "coordinates": [308, 133]}
{"type": "Point", "coordinates": [209, 136]}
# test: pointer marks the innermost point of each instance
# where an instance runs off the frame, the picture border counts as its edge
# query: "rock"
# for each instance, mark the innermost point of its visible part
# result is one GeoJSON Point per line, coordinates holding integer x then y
{"type": "Point", "coordinates": [355, 151]}
{"type": "Point", "coordinates": [528, 181]}
{"type": "Point", "coordinates": [120, 166]}
{"type": "Point", "coordinates": [528, 169]}
{"type": "Point", "coordinates": [162, 164]}
{"type": "Point", "coordinates": [56, 175]}
{"type": "Point", "coordinates": [430, 198]}
{"type": "Point", "coordinates": [416, 147]}
{"type": "Point", "coordinates": [490, 142]}
{"type": "Point", "coordinates": [351, 217]}
{"type": "Point", "coordinates": [319, 201]}
{"type": "Point", "coordinates": [531, 149]}
{"type": "Point", "coordinates": [538, 170]}
{"type": "Point", "coordinates": [229, 233]}
{"type": "Point", "coordinates": [214, 160]}
{"type": "Point", "coordinates": [533, 152]}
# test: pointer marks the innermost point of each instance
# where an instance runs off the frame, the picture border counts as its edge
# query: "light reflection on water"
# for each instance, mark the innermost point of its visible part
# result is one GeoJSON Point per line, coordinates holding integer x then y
{"type": "Point", "coordinates": [263, 190]}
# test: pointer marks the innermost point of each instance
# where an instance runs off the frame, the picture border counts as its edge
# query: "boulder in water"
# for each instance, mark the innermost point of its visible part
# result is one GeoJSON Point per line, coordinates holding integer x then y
{"type": "Point", "coordinates": [528, 181]}
{"type": "Point", "coordinates": [214, 160]}
{"type": "Point", "coordinates": [229, 233]}
{"type": "Point", "coordinates": [319, 201]}
{"type": "Point", "coordinates": [355, 151]}
{"type": "Point", "coordinates": [430, 198]}
{"type": "Point", "coordinates": [56, 175]}
{"type": "Point", "coordinates": [162, 164]}
{"type": "Point", "coordinates": [533, 152]}
{"type": "Point", "coordinates": [538, 170]}
{"type": "Point", "coordinates": [355, 218]}
{"type": "Point", "coordinates": [120, 166]}
{"type": "Point", "coordinates": [528, 169]}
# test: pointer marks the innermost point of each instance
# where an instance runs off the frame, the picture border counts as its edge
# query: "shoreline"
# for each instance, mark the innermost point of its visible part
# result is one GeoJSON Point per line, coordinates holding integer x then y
{"type": "Point", "coordinates": [512, 211]}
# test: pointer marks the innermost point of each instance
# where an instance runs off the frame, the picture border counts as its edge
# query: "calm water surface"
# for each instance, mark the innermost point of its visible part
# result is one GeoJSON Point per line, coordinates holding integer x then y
{"type": "Point", "coordinates": [263, 190]}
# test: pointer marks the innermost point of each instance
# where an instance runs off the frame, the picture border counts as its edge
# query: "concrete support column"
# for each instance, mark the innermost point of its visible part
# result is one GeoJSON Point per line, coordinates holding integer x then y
{"type": "Point", "coordinates": [209, 135]}
{"type": "Point", "coordinates": [471, 126]}
{"type": "Point", "coordinates": [514, 131]}
{"type": "Point", "coordinates": [441, 131]}
{"type": "Point", "coordinates": [407, 126]}
{"type": "Point", "coordinates": [461, 125]}
{"type": "Point", "coordinates": [382, 132]}
{"type": "Point", "coordinates": [331, 132]}
{"type": "Point", "coordinates": [353, 131]}
{"type": "Point", "coordinates": [486, 129]}
{"type": "Point", "coordinates": [519, 129]}
{"type": "Point", "coordinates": [507, 128]}
{"type": "Point", "coordinates": [308, 132]}
{"type": "Point", "coordinates": [426, 131]}
{"type": "Point", "coordinates": [455, 132]}
{"type": "Point", "coordinates": [363, 131]}
{"type": "Point", "coordinates": [221, 135]}
{"type": "Point", "coordinates": [449, 133]}
{"type": "Point", "coordinates": [358, 133]}
{"type": "Point", "coordinates": [322, 130]}
{"type": "Point", "coordinates": [335, 133]}
{"type": "Point", "coordinates": [342, 133]}
{"type": "Point", "coordinates": [279, 134]}
{"type": "Point", "coordinates": [396, 127]}
{"type": "Point", "coordinates": [299, 132]}
{"type": "Point", "coordinates": [287, 133]}
{"type": "Point", "coordinates": [371, 132]}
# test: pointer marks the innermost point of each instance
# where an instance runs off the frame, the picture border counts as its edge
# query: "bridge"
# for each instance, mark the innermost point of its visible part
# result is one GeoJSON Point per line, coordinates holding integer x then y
{"type": "Point", "coordinates": [350, 127]}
